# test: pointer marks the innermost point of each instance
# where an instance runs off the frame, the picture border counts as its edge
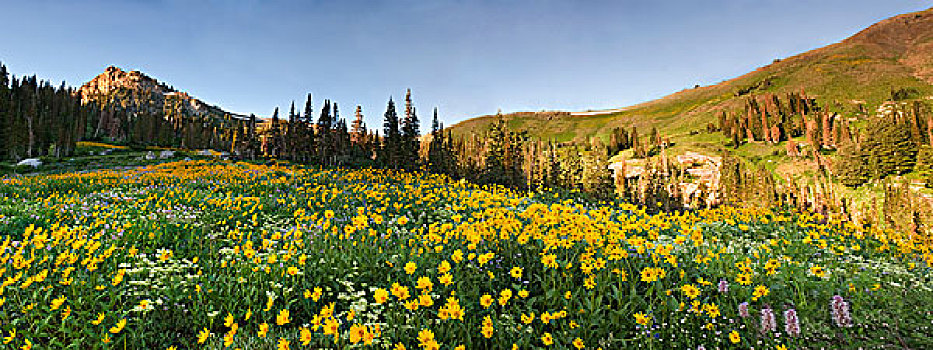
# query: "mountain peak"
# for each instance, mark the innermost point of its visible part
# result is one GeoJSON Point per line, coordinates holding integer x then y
{"type": "Point", "coordinates": [121, 87]}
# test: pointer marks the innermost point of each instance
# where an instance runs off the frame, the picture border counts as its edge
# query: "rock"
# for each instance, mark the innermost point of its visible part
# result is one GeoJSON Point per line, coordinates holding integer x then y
{"type": "Point", "coordinates": [166, 154]}
{"type": "Point", "coordinates": [33, 162]}
{"type": "Point", "coordinates": [204, 152]}
{"type": "Point", "coordinates": [150, 155]}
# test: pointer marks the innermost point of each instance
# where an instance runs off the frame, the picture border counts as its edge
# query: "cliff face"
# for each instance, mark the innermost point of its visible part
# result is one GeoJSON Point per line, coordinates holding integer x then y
{"type": "Point", "coordinates": [133, 88]}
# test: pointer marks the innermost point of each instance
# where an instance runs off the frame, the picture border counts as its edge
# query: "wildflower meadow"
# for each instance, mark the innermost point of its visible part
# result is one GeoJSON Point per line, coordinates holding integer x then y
{"type": "Point", "coordinates": [212, 254]}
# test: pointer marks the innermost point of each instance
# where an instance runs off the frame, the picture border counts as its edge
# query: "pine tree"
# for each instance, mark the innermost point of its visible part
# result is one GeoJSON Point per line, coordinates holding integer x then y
{"type": "Point", "coordinates": [851, 167]}
{"type": "Point", "coordinates": [325, 136]}
{"type": "Point", "coordinates": [275, 135]}
{"type": "Point", "coordinates": [308, 137]}
{"type": "Point", "coordinates": [410, 134]}
{"type": "Point", "coordinates": [436, 147]}
{"type": "Point", "coordinates": [392, 138]}
{"type": "Point", "coordinates": [888, 148]}
{"type": "Point", "coordinates": [494, 165]}
{"type": "Point", "coordinates": [358, 129]}
{"type": "Point", "coordinates": [5, 112]}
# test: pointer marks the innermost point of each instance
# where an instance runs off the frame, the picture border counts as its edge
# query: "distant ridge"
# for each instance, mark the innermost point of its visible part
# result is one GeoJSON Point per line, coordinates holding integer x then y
{"type": "Point", "coordinates": [856, 74]}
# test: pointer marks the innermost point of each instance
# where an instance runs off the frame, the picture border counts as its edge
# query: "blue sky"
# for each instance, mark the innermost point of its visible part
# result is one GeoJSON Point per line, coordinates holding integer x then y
{"type": "Point", "coordinates": [467, 58]}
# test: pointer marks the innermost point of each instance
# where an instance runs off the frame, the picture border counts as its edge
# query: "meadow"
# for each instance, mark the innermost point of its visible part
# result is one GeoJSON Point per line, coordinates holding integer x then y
{"type": "Point", "coordinates": [211, 254]}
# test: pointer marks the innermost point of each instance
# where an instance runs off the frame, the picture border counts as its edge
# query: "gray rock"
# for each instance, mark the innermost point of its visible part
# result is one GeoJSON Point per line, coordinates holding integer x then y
{"type": "Point", "coordinates": [33, 162]}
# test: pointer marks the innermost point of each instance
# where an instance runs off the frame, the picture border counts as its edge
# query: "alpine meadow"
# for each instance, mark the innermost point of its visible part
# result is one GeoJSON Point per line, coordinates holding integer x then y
{"type": "Point", "coordinates": [787, 208]}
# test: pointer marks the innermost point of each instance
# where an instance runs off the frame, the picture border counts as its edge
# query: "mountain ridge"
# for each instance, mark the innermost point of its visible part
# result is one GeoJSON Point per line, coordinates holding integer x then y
{"type": "Point", "coordinates": [896, 52]}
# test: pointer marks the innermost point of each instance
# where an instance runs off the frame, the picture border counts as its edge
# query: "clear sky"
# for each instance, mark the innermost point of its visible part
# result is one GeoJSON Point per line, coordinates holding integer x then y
{"type": "Point", "coordinates": [466, 57]}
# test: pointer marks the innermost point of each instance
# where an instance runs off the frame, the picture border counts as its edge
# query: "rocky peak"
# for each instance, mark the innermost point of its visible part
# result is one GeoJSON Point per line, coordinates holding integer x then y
{"type": "Point", "coordinates": [136, 86]}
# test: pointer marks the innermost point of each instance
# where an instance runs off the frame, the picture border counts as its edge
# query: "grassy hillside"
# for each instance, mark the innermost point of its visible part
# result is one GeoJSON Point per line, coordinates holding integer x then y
{"type": "Point", "coordinates": [894, 53]}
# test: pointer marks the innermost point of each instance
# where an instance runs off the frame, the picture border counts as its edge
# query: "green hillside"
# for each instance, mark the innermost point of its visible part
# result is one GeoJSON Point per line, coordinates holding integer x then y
{"type": "Point", "coordinates": [862, 70]}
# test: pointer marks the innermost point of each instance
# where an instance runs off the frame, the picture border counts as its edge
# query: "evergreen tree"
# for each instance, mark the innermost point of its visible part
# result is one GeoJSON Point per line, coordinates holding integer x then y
{"type": "Point", "coordinates": [410, 134]}
{"type": "Point", "coordinates": [851, 166]}
{"type": "Point", "coordinates": [392, 137]}
{"type": "Point", "coordinates": [309, 139]}
{"type": "Point", "coordinates": [275, 135]}
{"type": "Point", "coordinates": [324, 135]}
{"type": "Point", "coordinates": [358, 129]}
{"type": "Point", "coordinates": [494, 165]}
{"type": "Point", "coordinates": [888, 148]}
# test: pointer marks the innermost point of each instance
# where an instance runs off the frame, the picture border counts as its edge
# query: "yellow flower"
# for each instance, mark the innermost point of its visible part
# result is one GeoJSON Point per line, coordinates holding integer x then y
{"type": "Point", "coordinates": [228, 340]}
{"type": "Point", "coordinates": [282, 318]}
{"type": "Point", "coordinates": [105, 340]}
{"type": "Point", "coordinates": [547, 339]}
{"type": "Point", "coordinates": [516, 272]}
{"type": "Point", "coordinates": [263, 329]}
{"type": "Point", "coordinates": [642, 319]}
{"type": "Point", "coordinates": [282, 344]}
{"type": "Point", "coordinates": [504, 296]}
{"type": "Point", "coordinates": [424, 283]}
{"type": "Point", "coordinates": [305, 336]}
{"type": "Point", "coordinates": [100, 318]}
{"type": "Point", "coordinates": [381, 295]}
{"type": "Point", "coordinates": [446, 279]}
{"type": "Point", "coordinates": [744, 279]}
{"type": "Point", "coordinates": [426, 300]}
{"type": "Point", "coordinates": [485, 300]}
{"type": "Point", "coordinates": [357, 332]}
{"type": "Point", "coordinates": [56, 303]}
{"type": "Point", "coordinates": [425, 337]}
{"type": "Point", "coordinates": [578, 343]}
{"type": "Point", "coordinates": [760, 291]}
{"type": "Point", "coordinates": [410, 267]}
{"type": "Point", "coordinates": [690, 291]}
{"type": "Point", "coordinates": [228, 321]}
{"type": "Point", "coordinates": [8, 339]}
{"type": "Point", "coordinates": [119, 326]}
{"type": "Point", "coordinates": [202, 336]}
{"type": "Point", "coordinates": [817, 271]}
{"type": "Point", "coordinates": [66, 312]}
{"type": "Point", "coordinates": [443, 267]}
{"type": "Point", "coordinates": [399, 291]}
{"type": "Point", "coordinates": [734, 337]}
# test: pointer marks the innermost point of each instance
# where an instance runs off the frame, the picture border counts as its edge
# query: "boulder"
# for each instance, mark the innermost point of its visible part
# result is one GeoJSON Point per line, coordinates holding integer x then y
{"type": "Point", "coordinates": [166, 154]}
{"type": "Point", "coordinates": [33, 162]}
{"type": "Point", "coordinates": [150, 155]}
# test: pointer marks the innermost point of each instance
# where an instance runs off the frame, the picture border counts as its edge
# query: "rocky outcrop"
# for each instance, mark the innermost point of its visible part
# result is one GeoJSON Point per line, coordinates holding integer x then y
{"type": "Point", "coordinates": [134, 89]}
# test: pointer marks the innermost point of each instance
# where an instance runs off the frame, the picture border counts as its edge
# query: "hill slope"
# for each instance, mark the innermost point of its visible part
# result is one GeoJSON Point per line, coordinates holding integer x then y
{"type": "Point", "coordinates": [863, 69]}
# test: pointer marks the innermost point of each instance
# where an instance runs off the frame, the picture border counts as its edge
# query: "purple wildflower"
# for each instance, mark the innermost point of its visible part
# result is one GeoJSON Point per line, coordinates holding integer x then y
{"type": "Point", "coordinates": [723, 286]}
{"type": "Point", "coordinates": [791, 323]}
{"type": "Point", "coordinates": [743, 309]}
{"type": "Point", "coordinates": [768, 323]}
{"type": "Point", "coordinates": [840, 310]}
